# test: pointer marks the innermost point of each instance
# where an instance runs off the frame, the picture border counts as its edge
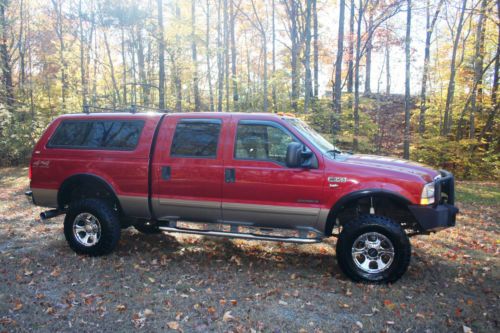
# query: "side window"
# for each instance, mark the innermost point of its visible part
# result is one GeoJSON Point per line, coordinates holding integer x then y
{"type": "Point", "coordinates": [196, 138]}
{"type": "Point", "coordinates": [262, 142]}
{"type": "Point", "coordinates": [98, 134]}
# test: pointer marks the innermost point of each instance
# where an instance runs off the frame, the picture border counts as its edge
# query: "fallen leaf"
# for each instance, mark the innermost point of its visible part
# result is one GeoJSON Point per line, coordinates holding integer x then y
{"type": "Point", "coordinates": [56, 272]}
{"type": "Point", "coordinates": [173, 325]}
{"type": "Point", "coordinates": [227, 316]}
{"type": "Point", "coordinates": [281, 302]}
{"type": "Point", "coordinates": [467, 329]}
{"type": "Point", "coordinates": [121, 307]}
{"type": "Point", "coordinates": [359, 324]}
{"type": "Point", "coordinates": [18, 305]}
{"type": "Point", "coordinates": [234, 302]}
{"type": "Point", "coordinates": [388, 304]}
{"type": "Point", "coordinates": [148, 313]}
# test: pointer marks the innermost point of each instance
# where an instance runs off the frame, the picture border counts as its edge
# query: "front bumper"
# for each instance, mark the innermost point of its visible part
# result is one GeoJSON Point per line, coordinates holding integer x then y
{"type": "Point", "coordinates": [434, 218]}
{"type": "Point", "coordinates": [442, 214]}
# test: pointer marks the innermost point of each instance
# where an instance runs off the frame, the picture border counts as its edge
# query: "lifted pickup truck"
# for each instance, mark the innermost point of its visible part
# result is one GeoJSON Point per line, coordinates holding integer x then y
{"type": "Point", "coordinates": [251, 176]}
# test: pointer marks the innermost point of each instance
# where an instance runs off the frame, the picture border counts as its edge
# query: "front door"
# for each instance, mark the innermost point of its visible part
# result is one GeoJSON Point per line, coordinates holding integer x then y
{"type": "Point", "coordinates": [259, 189]}
{"type": "Point", "coordinates": [189, 169]}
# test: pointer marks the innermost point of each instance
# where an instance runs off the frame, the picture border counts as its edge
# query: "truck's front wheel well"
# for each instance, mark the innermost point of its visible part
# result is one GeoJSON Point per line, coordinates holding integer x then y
{"type": "Point", "coordinates": [381, 205]}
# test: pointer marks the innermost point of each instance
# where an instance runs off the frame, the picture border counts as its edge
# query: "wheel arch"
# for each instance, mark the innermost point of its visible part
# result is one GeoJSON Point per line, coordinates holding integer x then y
{"type": "Point", "coordinates": [70, 184]}
{"type": "Point", "coordinates": [350, 199]}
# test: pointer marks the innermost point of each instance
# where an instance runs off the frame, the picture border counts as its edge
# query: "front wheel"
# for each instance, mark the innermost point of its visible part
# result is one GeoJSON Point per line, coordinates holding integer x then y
{"type": "Point", "coordinates": [92, 227]}
{"type": "Point", "coordinates": [373, 249]}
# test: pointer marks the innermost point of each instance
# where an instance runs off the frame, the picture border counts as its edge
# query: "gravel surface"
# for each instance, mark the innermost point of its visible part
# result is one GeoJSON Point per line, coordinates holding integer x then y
{"type": "Point", "coordinates": [169, 282]}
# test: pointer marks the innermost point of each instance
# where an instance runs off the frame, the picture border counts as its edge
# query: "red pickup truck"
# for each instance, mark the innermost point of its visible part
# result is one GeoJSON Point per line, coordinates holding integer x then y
{"type": "Point", "coordinates": [245, 175]}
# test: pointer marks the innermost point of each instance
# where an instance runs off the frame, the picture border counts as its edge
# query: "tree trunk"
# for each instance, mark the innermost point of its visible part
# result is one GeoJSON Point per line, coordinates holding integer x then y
{"type": "Point", "coordinates": [315, 49]}
{"type": "Point", "coordinates": [448, 111]}
{"type": "Point", "coordinates": [232, 25]}
{"type": "Point", "coordinates": [194, 55]}
{"type": "Point", "coordinates": [494, 90]}
{"type": "Point", "coordinates": [22, 47]}
{"type": "Point", "coordinates": [82, 55]}
{"type": "Point", "coordinates": [307, 59]}
{"type": "Point", "coordinates": [175, 65]}
{"type": "Point", "coordinates": [220, 62]}
{"type": "Point", "coordinates": [6, 61]}
{"type": "Point", "coordinates": [406, 139]}
{"type": "Point", "coordinates": [275, 97]}
{"type": "Point", "coordinates": [161, 57]}
{"type": "Point", "coordinates": [59, 32]}
{"type": "Point", "coordinates": [476, 101]}
{"type": "Point", "coordinates": [295, 55]}
{"type": "Point", "coordinates": [387, 69]}
{"type": "Point", "coordinates": [356, 77]}
{"type": "Point", "coordinates": [427, 56]}
{"type": "Point", "coordinates": [350, 63]}
{"type": "Point", "coordinates": [209, 68]}
{"type": "Point", "coordinates": [116, 94]}
{"type": "Point", "coordinates": [337, 88]}
{"type": "Point", "coordinates": [142, 68]}
{"type": "Point", "coordinates": [226, 52]}
{"type": "Point", "coordinates": [259, 26]}
{"type": "Point", "coordinates": [124, 65]}
{"type": "Point", "coordinates": [369, 47]}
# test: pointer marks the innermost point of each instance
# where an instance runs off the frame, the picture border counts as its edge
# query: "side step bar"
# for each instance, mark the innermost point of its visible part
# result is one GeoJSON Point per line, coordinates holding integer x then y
{"type": "Point", "coordinates": [241, 235]}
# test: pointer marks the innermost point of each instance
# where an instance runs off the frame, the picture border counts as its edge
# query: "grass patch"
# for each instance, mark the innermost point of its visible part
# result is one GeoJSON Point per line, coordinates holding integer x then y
{"type": "Point", "coordinates": [483, 193]}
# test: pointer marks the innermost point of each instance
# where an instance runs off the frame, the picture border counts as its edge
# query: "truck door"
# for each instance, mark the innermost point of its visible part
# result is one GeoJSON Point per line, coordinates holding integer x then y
{"type": "Point", "coordinates": [188, 169]}
{"type": "Point", "coordinates": [258, 187]}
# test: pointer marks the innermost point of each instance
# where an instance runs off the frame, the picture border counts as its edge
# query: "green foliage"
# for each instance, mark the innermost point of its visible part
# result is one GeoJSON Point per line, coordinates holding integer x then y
{"type": "Point", "coordinates": [465, 158]}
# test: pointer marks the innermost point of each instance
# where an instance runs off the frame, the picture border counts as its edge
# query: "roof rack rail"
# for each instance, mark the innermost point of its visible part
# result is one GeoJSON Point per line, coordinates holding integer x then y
{"type": "Point", "coordinates": [133, 108]}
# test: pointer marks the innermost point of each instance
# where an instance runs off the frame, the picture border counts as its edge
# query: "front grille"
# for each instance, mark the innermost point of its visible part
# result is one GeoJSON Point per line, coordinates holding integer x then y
{"type": "Point", "coordinates": [444, 189]}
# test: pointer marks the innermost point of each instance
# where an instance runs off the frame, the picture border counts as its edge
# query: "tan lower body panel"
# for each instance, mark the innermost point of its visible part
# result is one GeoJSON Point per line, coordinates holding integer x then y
{"type": "Point", "coordinates": [271, 216]}
{"type": "Point", "coordinates": [45, 197]}
{"type": "Point", "coordinates": [136, 206]}
{"type": "Point", "coordinates": [166, 208]}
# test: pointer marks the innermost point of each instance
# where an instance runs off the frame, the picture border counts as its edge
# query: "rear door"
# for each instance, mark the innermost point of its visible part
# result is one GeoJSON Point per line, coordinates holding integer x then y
{"type": "Point", "coordinates": [188, 169]}
{"type": "Point", "coordinates": [259, 189]}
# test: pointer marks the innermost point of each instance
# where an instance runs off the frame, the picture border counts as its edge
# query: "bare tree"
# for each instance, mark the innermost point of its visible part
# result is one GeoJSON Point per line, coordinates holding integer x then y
{"type": "Point", "coordinates": [208, 54]}
{"type": "Point", "coordinates": [451, 83]}
{"type": "Point", "coordinates": [57, 4]}
{"type": "Point", "coordinates": [427, 55]}
{"type": "Point", "coordinates": [194, 57]}
{"type": "Point", "coordinates": [315, 49]}
{"type": "Point", "coordinates": [161, 57]}
{"type": "Point", "coordinates": [307, 58]}
{"type": "Point", "coordinates": [337, 87]}
{"type": "Point", "coordinates": [406, 138]}
{"type": "Point", "coordinates": [350, 64]}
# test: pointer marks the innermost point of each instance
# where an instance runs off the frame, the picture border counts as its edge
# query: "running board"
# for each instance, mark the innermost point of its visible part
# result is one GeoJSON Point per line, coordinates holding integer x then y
{"type": "Point", "coordinates": [248, 236]}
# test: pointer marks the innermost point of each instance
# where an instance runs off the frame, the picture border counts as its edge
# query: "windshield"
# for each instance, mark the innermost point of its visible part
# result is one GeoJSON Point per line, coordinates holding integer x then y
{"type": "Point", "coordinates": [314, 137]}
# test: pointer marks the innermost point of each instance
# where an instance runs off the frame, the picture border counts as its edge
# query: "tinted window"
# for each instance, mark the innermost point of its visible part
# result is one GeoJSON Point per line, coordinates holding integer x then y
{"type": "Point", "coordinates": [98, 134]}
{"type": "Point", "coordinates": [196, 138]}
{"type": "Point", "coordinates": [262, 142]}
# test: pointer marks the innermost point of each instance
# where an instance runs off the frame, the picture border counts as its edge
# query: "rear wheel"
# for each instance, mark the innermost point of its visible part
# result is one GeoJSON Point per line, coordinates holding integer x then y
{"type": "Point", "coordinates": [374, 249]}
{"type": "Point", "coordinates": [92, 227]}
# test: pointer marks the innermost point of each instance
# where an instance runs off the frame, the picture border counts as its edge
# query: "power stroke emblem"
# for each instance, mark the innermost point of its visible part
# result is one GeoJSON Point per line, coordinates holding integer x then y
{"type": "Point", "coordinates": [334, 181]}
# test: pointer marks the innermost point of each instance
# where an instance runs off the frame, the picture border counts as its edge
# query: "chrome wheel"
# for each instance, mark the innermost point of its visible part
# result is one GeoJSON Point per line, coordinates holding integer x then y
{"type": "Point", "coordinates": [86, 229]}
{"type": "Point", "coordinates": [373, 252]}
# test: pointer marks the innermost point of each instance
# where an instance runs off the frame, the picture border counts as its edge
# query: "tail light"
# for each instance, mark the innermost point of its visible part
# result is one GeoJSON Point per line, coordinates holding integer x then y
{"type": "Point", "coordinates": [30, 171]}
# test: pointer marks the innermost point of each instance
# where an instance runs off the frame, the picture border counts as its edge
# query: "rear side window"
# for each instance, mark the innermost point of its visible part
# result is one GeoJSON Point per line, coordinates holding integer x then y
{"type": "Point", "coordinates": [196, 138]}
{"type": "Point", "coordinates": [97, 134]}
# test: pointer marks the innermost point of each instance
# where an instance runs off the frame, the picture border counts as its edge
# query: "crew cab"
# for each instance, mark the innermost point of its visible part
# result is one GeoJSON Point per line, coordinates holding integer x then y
{"type": "Point", "coordinates": [246, 175]}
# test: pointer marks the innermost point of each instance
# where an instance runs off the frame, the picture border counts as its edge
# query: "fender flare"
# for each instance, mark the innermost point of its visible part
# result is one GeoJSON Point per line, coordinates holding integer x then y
{"type": "Point", "coordinates": [83, 178]}
{"type": "Point", "coordinates": [353, 196]}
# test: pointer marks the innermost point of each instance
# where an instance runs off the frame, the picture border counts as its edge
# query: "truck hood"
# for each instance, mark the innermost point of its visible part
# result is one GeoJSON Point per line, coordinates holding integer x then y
{"type": "Point", "coordinates": [391, 164]}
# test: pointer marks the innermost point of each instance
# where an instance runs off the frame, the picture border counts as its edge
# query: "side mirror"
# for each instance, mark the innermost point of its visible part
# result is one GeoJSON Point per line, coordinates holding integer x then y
{"type": "Point", "coordinates": [297, 156]}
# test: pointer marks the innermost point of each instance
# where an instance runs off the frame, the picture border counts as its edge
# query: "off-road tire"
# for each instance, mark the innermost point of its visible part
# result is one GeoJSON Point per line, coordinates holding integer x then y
{"type": "Point", "coordinates": [108, 220]}
{"type": "Point", "coordinates": [148, 229]}
{"type": "Point", "coordinates": [378, 224]}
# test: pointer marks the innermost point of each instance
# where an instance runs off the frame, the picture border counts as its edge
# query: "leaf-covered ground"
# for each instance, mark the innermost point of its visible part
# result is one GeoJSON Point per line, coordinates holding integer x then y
{"type": "Point", "coordinates": [190, 283]}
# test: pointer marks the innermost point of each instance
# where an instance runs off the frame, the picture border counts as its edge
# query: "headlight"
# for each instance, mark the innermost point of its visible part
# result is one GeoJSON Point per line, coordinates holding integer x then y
{"type": "Point", "coordinates": [427, 196]}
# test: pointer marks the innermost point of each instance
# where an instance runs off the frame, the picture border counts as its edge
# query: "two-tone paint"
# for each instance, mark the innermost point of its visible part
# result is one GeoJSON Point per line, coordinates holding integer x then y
{"type": "Point", "coordinates": [261, 193]}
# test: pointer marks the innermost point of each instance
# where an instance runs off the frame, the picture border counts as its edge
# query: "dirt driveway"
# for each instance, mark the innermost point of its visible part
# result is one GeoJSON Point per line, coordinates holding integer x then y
{"type": "Point", "coordinates": [184, 283]}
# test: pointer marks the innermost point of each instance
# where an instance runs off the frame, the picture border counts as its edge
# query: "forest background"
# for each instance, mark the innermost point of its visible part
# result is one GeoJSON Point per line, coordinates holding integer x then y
{"type": "Point", "coordinates": [416, 79]}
